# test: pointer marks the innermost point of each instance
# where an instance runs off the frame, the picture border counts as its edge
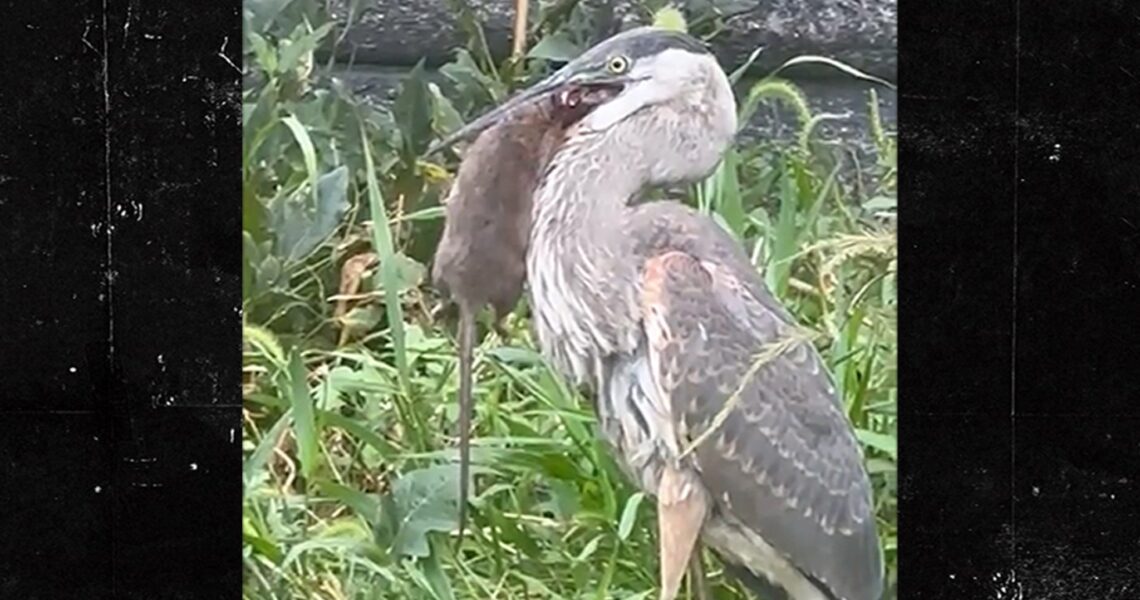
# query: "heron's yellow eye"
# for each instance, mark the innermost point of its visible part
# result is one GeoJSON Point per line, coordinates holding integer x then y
{"type": "Point", "coordinates": [617, 64]}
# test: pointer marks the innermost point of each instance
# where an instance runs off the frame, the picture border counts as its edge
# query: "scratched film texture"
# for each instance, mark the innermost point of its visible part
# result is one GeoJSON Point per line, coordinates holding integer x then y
{"type": "Point", "coordinates": [1020, 293]}
{"type": "Point", "coordinates": [118, 189]}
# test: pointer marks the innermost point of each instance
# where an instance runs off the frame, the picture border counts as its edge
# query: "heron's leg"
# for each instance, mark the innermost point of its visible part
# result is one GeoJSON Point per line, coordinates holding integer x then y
{"type": "Point", "coordinates": [697, 581]}
{"type": "Point", "coordinates": [682, 505]}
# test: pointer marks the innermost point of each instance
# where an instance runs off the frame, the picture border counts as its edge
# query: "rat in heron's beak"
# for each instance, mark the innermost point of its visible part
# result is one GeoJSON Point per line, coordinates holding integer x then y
{"type": "Point", "coordinates": [566, 79]}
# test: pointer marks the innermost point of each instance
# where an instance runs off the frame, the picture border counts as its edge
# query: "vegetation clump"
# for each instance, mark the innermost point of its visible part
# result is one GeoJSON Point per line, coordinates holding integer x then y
{"type": "Point", "coordinates": [350, 380]}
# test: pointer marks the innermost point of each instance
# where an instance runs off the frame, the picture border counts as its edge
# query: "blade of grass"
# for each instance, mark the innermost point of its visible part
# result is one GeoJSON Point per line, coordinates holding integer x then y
{"type": "Point", "coordinates": [382, 242]}
{"type": "Point", "coordinates": [307, 151]}
{"type": "Point", "coordinates": [433, 572]}
{"type": "Point", "coordinates": [831, 62]}
{"type": "Point", "coordinates": [629, 515]}
{"type": "Point", "coordinates": [256, 461]}
{"type": "Point", "coordinates": [359, 431]}
{"type": "Point", "coordinates": [727, 202]}
{"type": "Point", "coordinates": [736, 75]}
{"type": "Point", "coordinates": [783, 238]}
{"type": "Point", "coordinates": [304, 420]}
{"type": "Point", "coordinates": [365, 505]}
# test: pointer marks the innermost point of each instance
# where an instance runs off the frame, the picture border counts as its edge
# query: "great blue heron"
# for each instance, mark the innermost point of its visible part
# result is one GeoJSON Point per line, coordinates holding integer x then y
{"type": "Point", "coordinates": [714, 403]}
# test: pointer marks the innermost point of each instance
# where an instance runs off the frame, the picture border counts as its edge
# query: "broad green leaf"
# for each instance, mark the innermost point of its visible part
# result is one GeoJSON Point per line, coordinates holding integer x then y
{"type": "Point", "coordinates": [299, 229]}
{"type": "Point", "coordinates": [426, 500]}
{"type": "Point", "coordinates": [384, 531]}
{"type": "Point", "coordinates": [445, 118]}
{"type": "Point", "coordinates": [557, 47]}
{"type": "Point", "coordinates": [472, 85]}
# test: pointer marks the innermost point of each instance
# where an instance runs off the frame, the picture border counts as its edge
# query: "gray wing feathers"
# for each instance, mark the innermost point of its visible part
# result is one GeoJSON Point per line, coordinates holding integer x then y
{"type": "Point", "coordinates": [785, 461]}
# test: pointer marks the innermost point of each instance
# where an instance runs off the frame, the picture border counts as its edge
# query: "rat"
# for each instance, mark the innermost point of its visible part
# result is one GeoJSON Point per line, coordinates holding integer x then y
{"type": "Point", "coordinates": [481, 257]}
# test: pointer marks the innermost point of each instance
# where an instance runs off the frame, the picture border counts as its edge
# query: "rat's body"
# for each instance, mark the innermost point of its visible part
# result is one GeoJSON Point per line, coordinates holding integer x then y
{"type": "Point", "coordinates": [481, 258]}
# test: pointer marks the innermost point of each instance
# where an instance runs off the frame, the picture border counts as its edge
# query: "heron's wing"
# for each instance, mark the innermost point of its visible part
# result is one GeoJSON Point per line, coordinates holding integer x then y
{"type": "Point", "coordinates": [773, 446]}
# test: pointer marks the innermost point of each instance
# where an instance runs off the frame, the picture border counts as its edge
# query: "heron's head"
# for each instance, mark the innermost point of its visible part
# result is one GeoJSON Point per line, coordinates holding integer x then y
{"type": "Point", "coordinates": [675, 114]}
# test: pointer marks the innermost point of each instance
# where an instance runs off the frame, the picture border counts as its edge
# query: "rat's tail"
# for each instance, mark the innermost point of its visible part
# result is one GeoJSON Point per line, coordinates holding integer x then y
{"type": "Point", "coordinates": [466, 363]}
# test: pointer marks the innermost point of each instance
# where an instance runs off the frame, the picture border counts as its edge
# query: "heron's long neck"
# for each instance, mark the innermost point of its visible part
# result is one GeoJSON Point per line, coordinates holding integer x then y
{"type": "Point", "coordinates": [582, 198]}
{"type": "Point", "coordinates": [582, 277]}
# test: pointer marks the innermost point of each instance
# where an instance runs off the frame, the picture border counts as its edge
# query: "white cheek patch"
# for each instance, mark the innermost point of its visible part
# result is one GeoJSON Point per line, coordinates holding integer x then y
{"type": "Point", "coordinates": [640, 95]}
{"type": "Point", "coordinates": [605, 116]}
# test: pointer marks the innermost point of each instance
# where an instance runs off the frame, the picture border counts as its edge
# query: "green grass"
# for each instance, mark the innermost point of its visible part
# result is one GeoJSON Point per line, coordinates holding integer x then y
{"type": "Point", "coordinates": [350, 380]}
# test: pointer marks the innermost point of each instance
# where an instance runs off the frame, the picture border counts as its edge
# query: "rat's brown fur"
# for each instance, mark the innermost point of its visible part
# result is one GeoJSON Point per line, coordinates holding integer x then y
{"type": "Point", "coordinates": [481, 258]}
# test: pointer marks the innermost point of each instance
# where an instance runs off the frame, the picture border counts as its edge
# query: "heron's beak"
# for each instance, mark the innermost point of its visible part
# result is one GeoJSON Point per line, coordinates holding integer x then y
{"type": "Point", "coordinates": [554, 83]}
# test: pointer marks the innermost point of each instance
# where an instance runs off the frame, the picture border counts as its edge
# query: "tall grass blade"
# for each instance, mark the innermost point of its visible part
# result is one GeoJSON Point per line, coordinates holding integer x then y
{"type": "Point", "coordinates": [727, 200]}
{"type": "Point", "coordinates": [389, 276]}
{"type": "Point", "coordinates": [831, 62]}
{"type": "Point", "coordinates": [304, 419]}
{"type": "Point", "coordinates": [308, 152]}
{"type": "Point", "coordinates": [736, 75]}
{"type": "Point", "coordinates": [255, 462]}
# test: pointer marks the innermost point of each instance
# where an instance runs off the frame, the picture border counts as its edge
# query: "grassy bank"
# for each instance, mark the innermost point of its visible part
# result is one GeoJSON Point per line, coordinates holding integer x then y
{"type": "Point", "coordinates": [350, 488]}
